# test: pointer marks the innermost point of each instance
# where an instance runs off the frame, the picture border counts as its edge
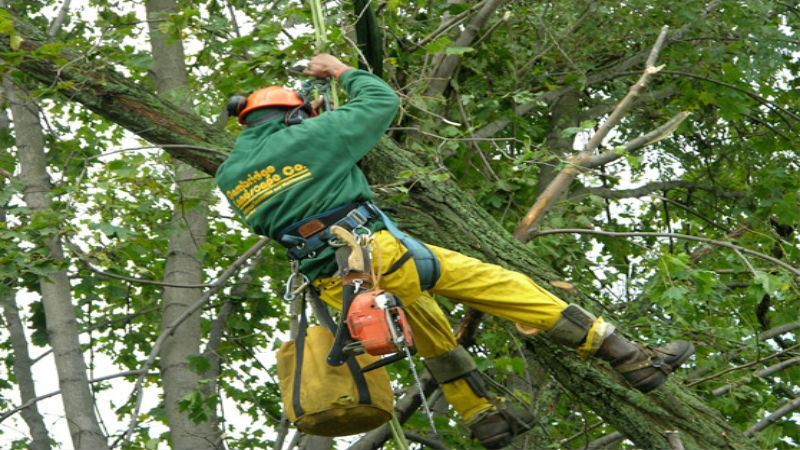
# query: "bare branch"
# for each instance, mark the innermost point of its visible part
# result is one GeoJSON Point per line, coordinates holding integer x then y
{"type": "Point", "coordinates": [560, 183]}
{"type": "Point", "coordinates": [608, 441]}
{"type": "Point", "coordinates": [56, 24]}
{"type": "Point", "coordinates": [674, 236]}
{"type": "Point", "coordinates": [447, 66]}
{"type": "Point", "coordinates": [784, 410]}
{"type": "Point", "coordinates": [446, 26]}
{"type": "Point", "coordinates": [742, 366]}
{"type": "Point", "coordinates": [33, 401]}
{"type": "Point", "coordinates": [598, 77]}
{"type": "Point", "coordinates": [84, 259]}
{"type": "Point", "coordinates": [644, 140]}
{"type": "Point", "coordinates": [763, 373]}
{"type": "Point", "coordinates": [655, 186]}
{"type": "Point", "coordinates": [580, 162]}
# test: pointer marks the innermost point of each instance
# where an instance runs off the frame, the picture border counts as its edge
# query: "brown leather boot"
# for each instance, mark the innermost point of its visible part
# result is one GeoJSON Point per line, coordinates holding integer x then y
{"type": "Point", "coordinates": [644, 367]}
{"type": "Point", "coordinates": [497, 428]}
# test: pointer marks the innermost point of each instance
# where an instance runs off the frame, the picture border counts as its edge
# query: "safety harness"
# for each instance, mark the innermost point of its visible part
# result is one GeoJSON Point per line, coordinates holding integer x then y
{"type": "Point", "coordinates": [305, 239]}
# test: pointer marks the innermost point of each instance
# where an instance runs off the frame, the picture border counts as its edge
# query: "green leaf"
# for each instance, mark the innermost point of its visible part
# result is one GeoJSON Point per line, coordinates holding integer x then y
{"type": "Point", "coordinates": [460, 51]}
{"type": "Point", "coordinates": [457, 8]}
{"type": "Point", "coordinates": [437, 45]}
{"type": "Point", "coordinates": [770, 283]}
{"type": "Point", "coordinates": [15, 39]}
{"type": "Point", "coordinates": [112, 231]}
{"type": "Point", "coordinates": [198, 363]}
{"type": "Point", "coordinates": [122, 168]}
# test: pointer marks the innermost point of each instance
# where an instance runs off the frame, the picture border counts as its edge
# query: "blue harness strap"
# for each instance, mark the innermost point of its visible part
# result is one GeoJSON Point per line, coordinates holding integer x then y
{"type": "Point", "coordinates": [427, 264]}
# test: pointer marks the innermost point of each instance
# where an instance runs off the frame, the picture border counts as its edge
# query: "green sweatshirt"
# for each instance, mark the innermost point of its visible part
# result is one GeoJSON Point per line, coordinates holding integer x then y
{"type": "Point", "coordinates": [277, 175]}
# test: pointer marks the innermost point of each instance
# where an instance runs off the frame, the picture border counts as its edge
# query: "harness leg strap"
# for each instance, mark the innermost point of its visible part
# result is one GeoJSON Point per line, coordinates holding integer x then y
{"type": "Point", "coordinates": [454, 365]}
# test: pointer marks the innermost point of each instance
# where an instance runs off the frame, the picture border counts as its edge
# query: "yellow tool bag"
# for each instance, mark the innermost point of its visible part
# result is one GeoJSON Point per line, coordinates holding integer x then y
{"type": "Point", "coordinates": [325, 400]}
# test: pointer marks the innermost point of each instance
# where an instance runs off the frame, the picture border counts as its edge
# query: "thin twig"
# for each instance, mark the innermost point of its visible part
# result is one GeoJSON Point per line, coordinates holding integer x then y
{"type": "Point", "coordinates": [743, 366]}
{"type": "Point", "coordinates": [83, 258]}
{"type": "Point", "coordinates": [671, 235]}
{"type": "Point", "coordinates": [30, 402]}
{"type": "Point", "coordinates": [763, 373]}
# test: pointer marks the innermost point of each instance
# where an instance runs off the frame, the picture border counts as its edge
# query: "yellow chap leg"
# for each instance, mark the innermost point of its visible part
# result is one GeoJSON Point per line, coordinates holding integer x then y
{"type": "Point", "coordinates": [466, 403]}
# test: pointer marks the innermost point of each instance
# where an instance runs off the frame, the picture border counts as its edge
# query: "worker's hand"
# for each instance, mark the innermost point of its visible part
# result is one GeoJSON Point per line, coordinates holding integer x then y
{"type": "Point", "coordinates": [323, 65]}
{"type": "Point", "coordinates": [316, 103]}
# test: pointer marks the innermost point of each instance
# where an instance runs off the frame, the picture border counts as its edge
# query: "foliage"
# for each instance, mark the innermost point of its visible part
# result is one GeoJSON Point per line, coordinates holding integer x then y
{"type": "Point", "coordinates": [730, 172]}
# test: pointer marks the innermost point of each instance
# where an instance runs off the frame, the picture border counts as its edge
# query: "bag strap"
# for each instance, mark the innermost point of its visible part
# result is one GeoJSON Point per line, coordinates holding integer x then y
{"type": "Point", "coordinates": [324, 317]}
{"type": "Point", "coordinates": [300, 346]}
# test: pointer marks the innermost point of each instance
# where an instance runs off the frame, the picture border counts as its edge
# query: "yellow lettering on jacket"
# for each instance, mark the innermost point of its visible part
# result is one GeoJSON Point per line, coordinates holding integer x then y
{"type": "Point", "coordinates": [260, 185]}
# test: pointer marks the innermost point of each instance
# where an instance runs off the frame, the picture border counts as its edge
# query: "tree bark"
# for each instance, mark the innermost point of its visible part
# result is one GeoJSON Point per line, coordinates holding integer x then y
{"type": "Point", "coordinates": [62, 328]}
{"type": "Point", "coordinates": [440, 212]}
{"type": "Point", "coordinates": [183, 265]}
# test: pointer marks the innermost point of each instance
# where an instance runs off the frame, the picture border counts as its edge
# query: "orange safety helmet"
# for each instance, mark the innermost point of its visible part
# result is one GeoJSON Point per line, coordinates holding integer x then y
{"type": "Point", "coordinates": [270, 96]}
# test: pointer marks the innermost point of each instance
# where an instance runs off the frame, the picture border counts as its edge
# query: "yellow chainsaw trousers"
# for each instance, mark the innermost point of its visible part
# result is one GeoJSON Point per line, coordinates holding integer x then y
{"type": "Point", "coordinates": [479, 285]}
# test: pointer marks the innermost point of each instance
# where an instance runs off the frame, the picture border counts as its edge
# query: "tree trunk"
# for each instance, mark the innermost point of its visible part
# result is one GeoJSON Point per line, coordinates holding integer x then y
{"type": "Point", "coordinates": [440, 212]}
{"type": "Point", "coordinates": [22, 370]}
{"type": "Point", "coordinates": [183, 265]}
{"type": "Point", "coordinates": [62, 328]}
{"type": "Point", "coordinates": [19, 344]}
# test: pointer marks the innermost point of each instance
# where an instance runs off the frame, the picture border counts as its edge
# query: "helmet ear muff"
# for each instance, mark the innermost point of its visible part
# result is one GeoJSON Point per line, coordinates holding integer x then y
{"type": "Point", "coordinates": [298, 114]}
{"type": "Point", "coordinates": [236, 105]}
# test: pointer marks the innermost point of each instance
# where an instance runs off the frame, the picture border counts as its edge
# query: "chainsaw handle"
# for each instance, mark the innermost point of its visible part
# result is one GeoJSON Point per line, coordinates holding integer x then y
{"type": "Point", "coordinates": [336, 355]}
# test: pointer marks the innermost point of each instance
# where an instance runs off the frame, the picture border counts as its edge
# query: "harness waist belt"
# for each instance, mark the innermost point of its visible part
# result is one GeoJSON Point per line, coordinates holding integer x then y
{"type": "Point", "coordinates": [305, 238]}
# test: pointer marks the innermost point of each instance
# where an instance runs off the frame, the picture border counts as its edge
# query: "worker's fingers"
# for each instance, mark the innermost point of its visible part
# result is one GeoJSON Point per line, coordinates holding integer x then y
{"type": "Point", "coordinates": [323, 65]}
{"type": "Point", "coordinates": [316, 103]}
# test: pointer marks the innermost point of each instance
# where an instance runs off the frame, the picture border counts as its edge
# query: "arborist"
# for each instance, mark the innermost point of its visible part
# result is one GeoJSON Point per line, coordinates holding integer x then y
{"type": "Point", "coordinates": [293, 174]}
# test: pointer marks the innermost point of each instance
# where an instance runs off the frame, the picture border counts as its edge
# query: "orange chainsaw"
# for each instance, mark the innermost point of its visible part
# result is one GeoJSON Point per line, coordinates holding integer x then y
{"type": "Point", "coordinates": [377, 321]}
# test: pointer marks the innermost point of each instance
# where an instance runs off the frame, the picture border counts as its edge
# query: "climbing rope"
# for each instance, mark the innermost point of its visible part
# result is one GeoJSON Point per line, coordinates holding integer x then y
{"type": "Point", "coordinates": [321, 43]}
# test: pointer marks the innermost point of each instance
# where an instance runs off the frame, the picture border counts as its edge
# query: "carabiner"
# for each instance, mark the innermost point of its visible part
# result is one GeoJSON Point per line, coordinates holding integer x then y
{"type": "Point", "coordinates": [290, 294]}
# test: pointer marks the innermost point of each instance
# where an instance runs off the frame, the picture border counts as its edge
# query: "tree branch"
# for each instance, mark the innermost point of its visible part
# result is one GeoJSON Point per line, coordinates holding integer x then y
{"type": "Point", "coordinates": [560, 183]}
{"type": "Point", "coordinates": [33, 401]}
{"type": "Point", "coordinates": [84, 259]}
{"type": "Point", "coordinates": [784, 410]}
{"type": "Point", "coordinates": [763, 373]}
{"type": "Point", "coordinates": [742, 366]}
{"type": "Point", "coordinates": [581, 162]}
{"type": "Point", "coordinates": [674, 236]}
{"type": "Point", "coordinates": [447, 66]}
{"type": "Point", "coordinates": [598, 77]}
{"type": "Point", "coordinates": [654, 186]}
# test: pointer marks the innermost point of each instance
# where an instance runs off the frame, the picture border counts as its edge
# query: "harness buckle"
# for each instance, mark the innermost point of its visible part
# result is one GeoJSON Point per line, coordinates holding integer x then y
{"type": "Point", "coordinates": [357, 217]}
